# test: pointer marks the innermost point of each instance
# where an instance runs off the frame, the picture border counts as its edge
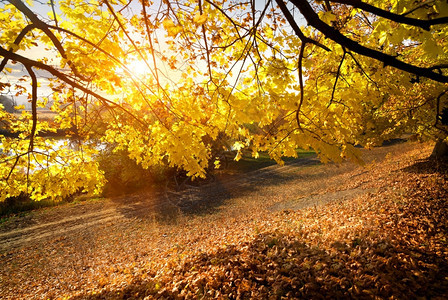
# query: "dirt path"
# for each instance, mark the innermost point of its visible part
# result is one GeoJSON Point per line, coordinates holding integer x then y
{"type": "Point", "coordinates": [53, 222]}
{"type": "Point", "coordinates": [299, 184]}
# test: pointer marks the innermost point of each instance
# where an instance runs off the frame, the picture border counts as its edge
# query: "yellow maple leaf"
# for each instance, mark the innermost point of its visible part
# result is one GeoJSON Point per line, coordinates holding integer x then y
{"type": "Point", "coordinates": [171, 28]}
{"type": "Point", "coordinates": [200, 18]}
{"type": "Point", "coordinates": [327, 16]}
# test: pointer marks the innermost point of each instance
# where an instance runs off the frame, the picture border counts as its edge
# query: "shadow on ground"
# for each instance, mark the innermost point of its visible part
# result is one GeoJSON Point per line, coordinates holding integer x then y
{"type": "Point", "coordinates": [427, 166]}
{"type": "Point", "coordinates": [167, 206]}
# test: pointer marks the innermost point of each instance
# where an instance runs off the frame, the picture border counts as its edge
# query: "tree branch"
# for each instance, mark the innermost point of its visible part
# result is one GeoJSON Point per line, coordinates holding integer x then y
{"type": "Point", "coordinates": [54, 12]}
{"type": "Point", "coordinates": [204, 35]}
{"type": "Point", "coordinates": [426, 4]}
{"type": "Point", "coordinates": [362, 69]}
{"type": "Point", "coordinates": [137, 49]}
{"type": "Point", "coordinates": [438, 107]}
{"type": "Point", "coordinates": [32, 63]}
{"type": "Point", "coordinates": [302, 50]}
{"type": "Point", "coordinates": [30, 71]}
{"type": "Point", "coordinates": [145, 18]}
{"type": "Point", "coordinates": [44, 27]}
{"type": "Point", "coordinates": [296, 28]}
{"type": "Point", "coordinates": [337, 77]}
{"type": "Point", "coordinates": [333, 34]}
{"type": "Point", "coordinates": [424, 24]}
{"type": "Point", "coordinates": [17, 41]}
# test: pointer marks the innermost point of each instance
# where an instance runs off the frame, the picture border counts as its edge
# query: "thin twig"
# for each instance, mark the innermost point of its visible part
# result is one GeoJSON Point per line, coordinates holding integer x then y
{"type": "Point", "coordinates": [302, 50]}
{"type": "Point", "coordinates": [33, 105]}
{"type": "Point", "coordinates": [337, 77]}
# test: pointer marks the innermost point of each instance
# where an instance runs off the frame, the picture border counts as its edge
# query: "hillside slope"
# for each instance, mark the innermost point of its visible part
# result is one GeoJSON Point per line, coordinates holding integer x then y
{"type": "Point", "coordinates": [301, 231]}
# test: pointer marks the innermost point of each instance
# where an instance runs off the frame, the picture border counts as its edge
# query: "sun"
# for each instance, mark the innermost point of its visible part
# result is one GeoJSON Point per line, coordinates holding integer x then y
{"type": "Point", "coordinates": [138, 67]}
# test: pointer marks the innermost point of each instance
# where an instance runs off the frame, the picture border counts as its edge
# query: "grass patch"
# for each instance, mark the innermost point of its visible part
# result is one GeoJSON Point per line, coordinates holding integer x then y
{"type": "Point", "coordinates": [248, 163]}
{"type": "Point", "coordinates": [21, 206]}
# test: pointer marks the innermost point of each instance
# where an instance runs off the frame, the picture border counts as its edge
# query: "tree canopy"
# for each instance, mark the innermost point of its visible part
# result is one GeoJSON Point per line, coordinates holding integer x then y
{"type": "Point", "coordinates": [165, 80]}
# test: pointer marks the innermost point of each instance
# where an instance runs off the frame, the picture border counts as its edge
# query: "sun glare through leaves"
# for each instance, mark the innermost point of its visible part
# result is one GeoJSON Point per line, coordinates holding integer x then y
{"type": "Point", "coordinates": [138, 68]}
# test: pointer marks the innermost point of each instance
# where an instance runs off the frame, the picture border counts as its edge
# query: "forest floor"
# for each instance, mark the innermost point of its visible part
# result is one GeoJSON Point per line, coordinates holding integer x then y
{"type": "Point", "coordinates": [303, 230]}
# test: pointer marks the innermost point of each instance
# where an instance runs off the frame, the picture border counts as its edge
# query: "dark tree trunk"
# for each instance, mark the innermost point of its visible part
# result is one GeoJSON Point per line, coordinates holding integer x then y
{"type": "Point", "coordinates": [440, 151]}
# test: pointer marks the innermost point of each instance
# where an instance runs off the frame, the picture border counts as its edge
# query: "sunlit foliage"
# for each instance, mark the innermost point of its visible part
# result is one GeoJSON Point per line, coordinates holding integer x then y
{"type": "Point", "coordinates": [247, 72]}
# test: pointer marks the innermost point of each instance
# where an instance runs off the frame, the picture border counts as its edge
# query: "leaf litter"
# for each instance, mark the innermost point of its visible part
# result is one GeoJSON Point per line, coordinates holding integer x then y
{"type": "Point", "coordinates": [389, 241]}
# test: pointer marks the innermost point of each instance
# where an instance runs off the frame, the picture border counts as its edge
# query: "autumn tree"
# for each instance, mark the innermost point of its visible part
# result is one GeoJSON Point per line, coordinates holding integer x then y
{"type": "Point", "coordinates": [164, 80]}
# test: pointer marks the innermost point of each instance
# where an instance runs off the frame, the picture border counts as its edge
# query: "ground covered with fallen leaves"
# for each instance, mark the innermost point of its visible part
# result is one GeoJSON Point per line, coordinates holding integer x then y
{"type": "Point", "coordinates": [315, 231]}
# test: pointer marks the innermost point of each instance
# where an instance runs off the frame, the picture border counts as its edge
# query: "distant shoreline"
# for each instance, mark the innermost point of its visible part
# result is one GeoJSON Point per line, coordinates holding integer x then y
{"type": "Point", "coordinates": [58, 133]}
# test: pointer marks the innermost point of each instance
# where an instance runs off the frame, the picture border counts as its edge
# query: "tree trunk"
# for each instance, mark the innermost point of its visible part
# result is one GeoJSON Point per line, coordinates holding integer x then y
{"type": "Point", "coordinates": [440, 151]}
